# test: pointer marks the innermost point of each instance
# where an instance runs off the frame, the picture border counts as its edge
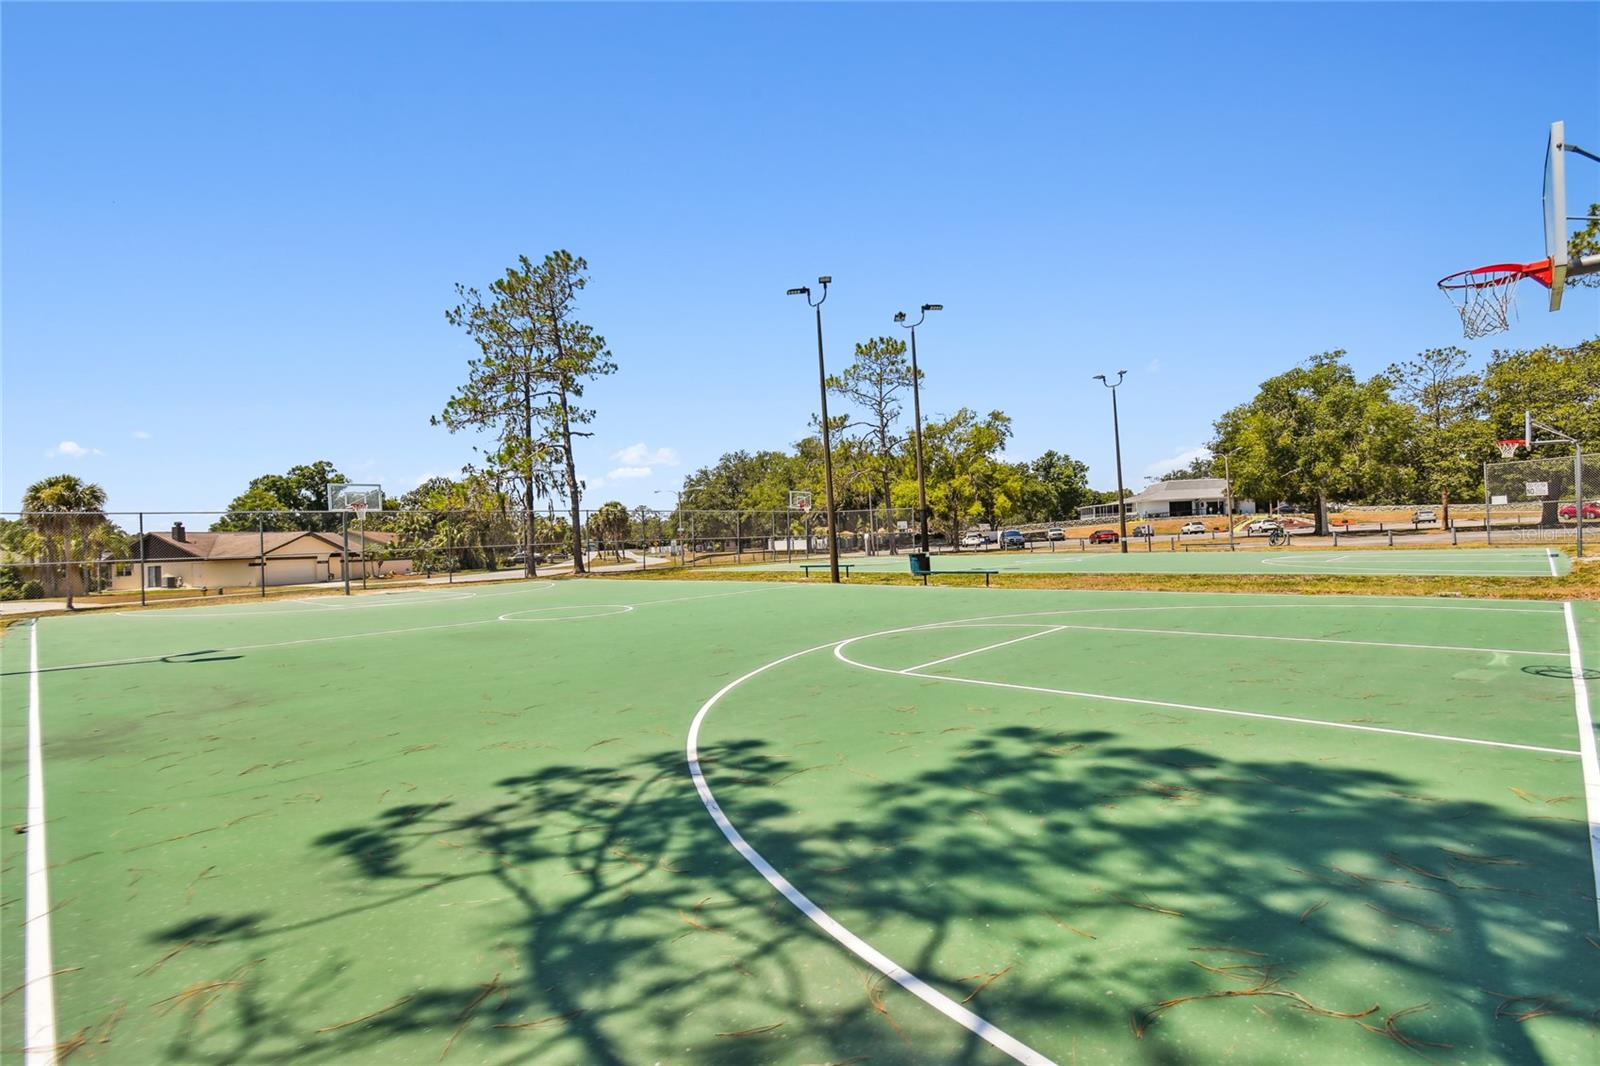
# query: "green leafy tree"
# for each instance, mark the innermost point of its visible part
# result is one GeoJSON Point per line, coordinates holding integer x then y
{"type": "Point", "coordinates": [1316, 432]}
{"type": "Point", "coordinates": [535, 360]}
{"type": "Point", "coordinates": [1561, 386]}
{"type": "Point", "coordinates": [1452, 439]}
{"type": "Point", "coordinates": [1055, 487]}
{"type": "Point", "coordinates": [967, 478]}
{"type": "Point", "coordinates": [68, 516]}
{"type": "Point", "coordinates": [874, 382]}
{"type": "Point", "coordinates": [1201, 466]}
{"type": "Point", "coordinates": [296, 499]}
{"type": "Point", "coordinates": [609, 524]}
{"type": "Point", "coordinates": [1585, 242]}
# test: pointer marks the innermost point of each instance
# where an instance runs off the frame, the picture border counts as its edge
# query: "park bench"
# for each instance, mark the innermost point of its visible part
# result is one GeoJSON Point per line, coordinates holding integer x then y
{"type": "Point", "coordinates": [919, 568]}
{"type": "Point", "coordinates": [808, 567]}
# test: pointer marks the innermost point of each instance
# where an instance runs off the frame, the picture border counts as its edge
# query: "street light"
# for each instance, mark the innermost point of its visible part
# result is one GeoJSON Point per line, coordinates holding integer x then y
{"type": "Point", "coordinates": [1116, 435]}
{"type": "Point", "coordinates": [677, 509]}
{"type": "Point", "coordinates": [827, 444]}
{"type": "Point", "coordinates": [916, 407]}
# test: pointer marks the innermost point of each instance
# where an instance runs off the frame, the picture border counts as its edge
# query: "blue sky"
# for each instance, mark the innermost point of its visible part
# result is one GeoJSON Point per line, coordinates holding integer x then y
{"type": "Point", "coordinates": [231, 231]}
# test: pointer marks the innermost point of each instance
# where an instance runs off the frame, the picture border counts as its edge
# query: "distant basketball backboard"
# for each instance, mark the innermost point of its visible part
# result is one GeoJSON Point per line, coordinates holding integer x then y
{"type": "Point", "coordinates": [1555, 211]}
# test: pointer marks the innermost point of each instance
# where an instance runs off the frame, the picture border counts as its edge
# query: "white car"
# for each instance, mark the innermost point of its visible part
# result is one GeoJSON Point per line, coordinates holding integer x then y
{"type": "Point", "coordinates": [1262, 525]}
{"type": "Point", "coordinates": [1192, 527]}
{"type": "Point", "coordinates": [1426, 514]}
{"type": "Point", "coordinates": [1055, 533]}
{"type": "Point", "coordinates": [974, 540]}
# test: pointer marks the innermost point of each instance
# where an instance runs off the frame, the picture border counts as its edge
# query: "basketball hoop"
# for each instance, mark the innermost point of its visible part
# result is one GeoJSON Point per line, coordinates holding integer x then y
{"type": "Point", "coordinates": [1486, 297]}
{"type": "Point", "coordinates": [358, 508]}
{"type": "Point", "coordinates": [1508, 448]}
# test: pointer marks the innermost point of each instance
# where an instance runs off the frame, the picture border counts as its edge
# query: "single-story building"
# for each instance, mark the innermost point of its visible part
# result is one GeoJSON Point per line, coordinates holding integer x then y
{"type": "Point", "coordinates": [228, 560]}
{"type": "Point", "coordinates": [1180, 498]}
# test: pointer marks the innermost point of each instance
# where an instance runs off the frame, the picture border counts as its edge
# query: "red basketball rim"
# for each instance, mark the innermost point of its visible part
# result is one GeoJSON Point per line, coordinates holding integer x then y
{"type": "Point", "coordinates": [1486, 277]}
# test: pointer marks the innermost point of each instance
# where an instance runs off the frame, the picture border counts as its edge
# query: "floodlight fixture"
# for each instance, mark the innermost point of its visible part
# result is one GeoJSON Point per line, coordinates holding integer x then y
{"type": "Point", "coordinates": [825, 280]}
{"type": "Point", "coordinates": [899, 316]}
{"type": "Point", "coordinates": [801, 291]}
{"type": "Point", "coordinates": [933, 307]}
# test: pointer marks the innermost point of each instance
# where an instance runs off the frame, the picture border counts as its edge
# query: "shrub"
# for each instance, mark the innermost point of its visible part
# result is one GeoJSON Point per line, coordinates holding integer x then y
{"type": "Point", "coordinates": [32, 590]}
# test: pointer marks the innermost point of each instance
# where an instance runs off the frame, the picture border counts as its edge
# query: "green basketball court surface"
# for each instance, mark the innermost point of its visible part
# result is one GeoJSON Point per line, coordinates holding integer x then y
{"type": "Point", "coordinates": [689, 822]}
{"type": "Point", "coordinates": [1459, 562]}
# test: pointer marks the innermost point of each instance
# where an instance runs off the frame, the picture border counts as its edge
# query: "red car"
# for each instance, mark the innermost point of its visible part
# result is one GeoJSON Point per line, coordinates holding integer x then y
{"type": "Point", "coordinates": [1591, 509]}
{"type": "Point", "coordinates": [1103, 536]}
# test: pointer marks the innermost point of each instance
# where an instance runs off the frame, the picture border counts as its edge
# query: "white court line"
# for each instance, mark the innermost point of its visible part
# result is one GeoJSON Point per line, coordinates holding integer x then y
{"type": "Point", "coordinates": [1586, 745]}
{"type": "Point", "coordinates": [838, 652]}
{"type": "Point", "coordinates": [153, 658]}
{"type": "Point", "coordinates": [907, 980]}
{"type": "Point", "coordinates": [987, 647]}
{"type": "Point", "coordinates": [882, 963]}
{"type": "Point", "coordinates": [39, 997]}
{"type": "Point", "coordinates": [1310, 640]}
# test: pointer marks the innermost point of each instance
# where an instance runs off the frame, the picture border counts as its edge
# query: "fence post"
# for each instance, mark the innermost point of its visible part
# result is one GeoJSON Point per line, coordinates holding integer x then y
{"type": "Point", "coordinates": [1577, 478]}
{"type": "Point", "coordinates": [1488, 535]}
{"type": "Point", "coordinates": [738, 536]}
{"type": "Point", "coordinates": [696, 561]}
{"type": "Point", "coordinates": [1391, 538]}
{"type": "Point", "coordinates": [1454, 539]}
{"type": "Point", "coordinates": [142, 573]}
{"type": "Point", "coordinates": [261, 544]}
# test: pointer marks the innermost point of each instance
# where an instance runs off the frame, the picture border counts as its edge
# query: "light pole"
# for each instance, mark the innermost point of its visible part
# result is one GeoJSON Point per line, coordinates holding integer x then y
{"type": "Point", "coordinates": [1227, 477]}
{"type": "Point", "coordinates": [827, 444]}
{"type": "Point", "coordinates": [1116, 435]}
{"type": "Point", "coordinates": [916, 408]}
{"type": "Point", "coordinates": [677, 514]}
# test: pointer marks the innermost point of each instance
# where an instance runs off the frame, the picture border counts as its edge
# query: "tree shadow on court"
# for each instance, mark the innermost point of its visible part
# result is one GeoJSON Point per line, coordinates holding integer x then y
{"type": "Point", "coordinates": [1087, 894]}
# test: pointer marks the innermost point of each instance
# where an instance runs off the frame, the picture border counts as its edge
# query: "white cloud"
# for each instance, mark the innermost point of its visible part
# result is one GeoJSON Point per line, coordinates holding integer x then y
{"type": "Point", "coordinates": [140, 434]}
{"type": "Point", "coordinates": [622, 473]}
{"type": "Point", "coordinates": [1153, 367]}
{"type": "Point", "coordinates": [641, 455]}
{"type": "Point", "coordinates": [1182, 458]}
{"type": "Point", "coordinates": [71, 449]}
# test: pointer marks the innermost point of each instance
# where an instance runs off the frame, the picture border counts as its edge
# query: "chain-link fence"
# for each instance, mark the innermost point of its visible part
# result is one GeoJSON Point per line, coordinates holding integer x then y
{"type": "Point", "coordinates": [143, 557]}
{"type": "Point", "coordinates": [1546, 500]}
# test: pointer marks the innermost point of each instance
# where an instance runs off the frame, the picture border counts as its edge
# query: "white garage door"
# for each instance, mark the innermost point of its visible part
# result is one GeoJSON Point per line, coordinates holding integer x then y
{"type": "Point", "coordinates": [291, 571]}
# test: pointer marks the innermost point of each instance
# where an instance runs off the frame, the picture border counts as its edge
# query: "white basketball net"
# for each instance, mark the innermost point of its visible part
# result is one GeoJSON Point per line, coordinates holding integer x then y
{"type": "Point", "coordinates": [1485, 299]}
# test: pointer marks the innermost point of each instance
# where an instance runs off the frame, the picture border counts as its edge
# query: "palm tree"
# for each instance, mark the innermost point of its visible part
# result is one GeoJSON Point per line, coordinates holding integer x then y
{"type": "Point", "coordinates": [64, 510]}
{"type": "Point", "coordinates": [610, 523]}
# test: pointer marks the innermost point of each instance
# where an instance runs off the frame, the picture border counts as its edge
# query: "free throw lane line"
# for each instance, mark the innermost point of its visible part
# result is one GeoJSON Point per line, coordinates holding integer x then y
{"type": "Point", "coordinates": [839, 653]}
{"type": "Point", "coordinates": [1586, 748]}
{"type": "Point", "coordinates": [39, 997]}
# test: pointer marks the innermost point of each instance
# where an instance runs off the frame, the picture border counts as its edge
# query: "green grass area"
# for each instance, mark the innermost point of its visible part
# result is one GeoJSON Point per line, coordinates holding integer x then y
{"type": "Point", "coordinates": [1478, 562]}
{"type": "Point", "coordinates": [460, 825]}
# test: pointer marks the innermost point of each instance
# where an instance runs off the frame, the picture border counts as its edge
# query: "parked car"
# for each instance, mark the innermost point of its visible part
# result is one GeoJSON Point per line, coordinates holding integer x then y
{"type": "Point", "coordinates": [1262, 525]}
{"type": "Point", "coordinates": [1192, 527]}
{"type": "Point", "coordinates": [1425, 514]}
{"type": "Point", "coordinates": [1143, 530]}
{"type": "Point", "coordinates": [1286, 508]}
{"type": "Point", "coordinates": [1591, 509]}
{"type": "Point", "coordinates": [1012, 538]}
{"type": "Point", "coordinates": [974, 540]}
{"type": "Point", "coordinates": [1103, 536]}
{"type": "Point", "coordinates": [1055, 533]}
